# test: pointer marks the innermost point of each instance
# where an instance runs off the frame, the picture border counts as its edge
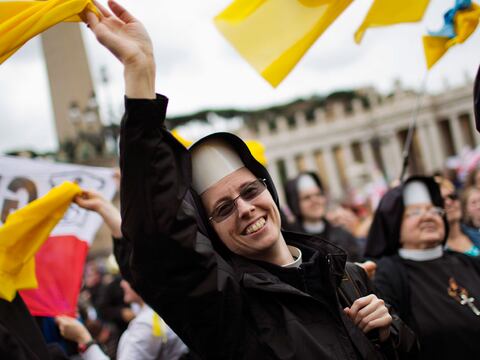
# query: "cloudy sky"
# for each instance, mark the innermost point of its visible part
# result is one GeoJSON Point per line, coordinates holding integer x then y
{"type": "Point", "coordinates": [197, 68]}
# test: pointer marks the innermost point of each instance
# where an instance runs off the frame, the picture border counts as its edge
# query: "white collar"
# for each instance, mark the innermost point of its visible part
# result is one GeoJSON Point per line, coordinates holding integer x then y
{"type": "Point", "coordinates": [314, 227]}
{"type": "Point", "coordinates": [421, 255]}
{"type": "Point", "coordinates": [297, 255]}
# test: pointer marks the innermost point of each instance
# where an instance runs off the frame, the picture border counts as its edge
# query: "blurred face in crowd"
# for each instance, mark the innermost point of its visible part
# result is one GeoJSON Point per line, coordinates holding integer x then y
{"type": "Point", "coordinates": [251, 227]}
{"type": "Point", "coordinates": [422, 226]}
{"type": "Point", "coordinates": [312, 204]}
{"type": "Point", "coordinates": [451, 201]}
{"type": "Point", "coordinates": [472, 207]}
{"type": "Point", "coordinates": [129, 295]}
{"type": "Point", "coordinates": [92, 275]}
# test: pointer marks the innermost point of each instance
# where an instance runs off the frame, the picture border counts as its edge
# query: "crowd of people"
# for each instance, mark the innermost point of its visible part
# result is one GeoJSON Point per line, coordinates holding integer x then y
{"type": "Point", "coordinates": [203, 245]}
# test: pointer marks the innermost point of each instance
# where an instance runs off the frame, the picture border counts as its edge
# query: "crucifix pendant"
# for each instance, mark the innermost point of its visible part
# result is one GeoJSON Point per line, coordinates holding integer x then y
{"type": "Point", "coordinates": [465, 300]}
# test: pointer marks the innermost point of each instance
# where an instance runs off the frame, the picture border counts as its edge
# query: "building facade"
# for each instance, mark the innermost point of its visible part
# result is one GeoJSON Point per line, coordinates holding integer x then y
{"type": "Point", "coordinates": [346, 141]}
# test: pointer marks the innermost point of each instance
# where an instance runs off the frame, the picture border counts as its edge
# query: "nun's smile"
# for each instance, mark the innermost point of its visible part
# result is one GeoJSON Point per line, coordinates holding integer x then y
{"type": "Point", "coordinates": [252, 229]}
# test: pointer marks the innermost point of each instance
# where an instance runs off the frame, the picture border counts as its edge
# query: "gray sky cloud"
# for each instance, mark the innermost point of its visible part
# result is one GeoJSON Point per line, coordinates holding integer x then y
{"type": "Point", "coordinates": [197, 68]}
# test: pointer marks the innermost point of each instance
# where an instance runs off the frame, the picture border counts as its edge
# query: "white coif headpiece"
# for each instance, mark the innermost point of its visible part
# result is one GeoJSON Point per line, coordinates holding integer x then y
{"type": "Point", "coordinates": [416, 192]}
{"type": "Point", "coordinates": [306, 182]}
{"type": "Point", "coordinates": [211, 162]}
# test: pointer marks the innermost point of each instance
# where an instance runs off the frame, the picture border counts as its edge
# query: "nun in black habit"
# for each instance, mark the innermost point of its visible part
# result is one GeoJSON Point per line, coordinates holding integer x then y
{"type": "Point", "coordinates": [307, 200]}
{"type": "Point", "coordinates": [219, 269]}
{"type": "Point", "coordinates": [436, 292]}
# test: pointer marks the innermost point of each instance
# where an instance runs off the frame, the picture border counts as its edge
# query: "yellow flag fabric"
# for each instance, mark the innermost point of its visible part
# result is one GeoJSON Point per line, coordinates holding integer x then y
{"type": "Point", "coordinates": [273, 35]}
{"type": "Point", "coordinates": [389, 12]}
{"type": "Point", "coordinates": [159, 328]}
{"type": "Point", "coordinates": [181, 139]}
{"type": "Point", "coordinates": [22, 234]}
{"type": "Point", "coordinates": [22, 20]}
{"type": "Point", "coordinates": [466, 21]}
{"type": "Point", "coordinates": [258, 151]}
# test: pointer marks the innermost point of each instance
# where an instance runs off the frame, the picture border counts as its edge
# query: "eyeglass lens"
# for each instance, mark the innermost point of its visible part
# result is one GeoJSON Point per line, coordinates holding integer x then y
{"type": "Point", "coordinates": [249, 192]}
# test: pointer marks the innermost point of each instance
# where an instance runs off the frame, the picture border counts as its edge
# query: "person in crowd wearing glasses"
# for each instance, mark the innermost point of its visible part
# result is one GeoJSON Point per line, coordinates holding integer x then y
{"type": "Point", "coordinates": [308, 202]}
{"type": "Point", "coordinates": [436, 292]}
{"type": "Point", "coordinates": [207, 250]}
{"type": "Point", "coordinates": [460, 236]}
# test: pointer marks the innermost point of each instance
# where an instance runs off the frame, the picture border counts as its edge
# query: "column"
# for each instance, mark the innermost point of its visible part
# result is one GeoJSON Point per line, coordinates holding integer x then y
{"type": "Point", "coordinates": [456, 134]}
{"type": "Point", "coordinates": [395, 149]}
{"type": "Point", "coordinates": [320, 116]}
{"type": "Point", "coordinates": [300, 119]}
{"type": "Point", "coordinates": [310, 162]}
{"type": "Point", "coordinates": [388, 158]}
{"type": "Point", "coordinates": [368, 156]}
{"type": "Point", "coordinates": [263, 129]}
{"type": "Point", "coordinates": [347, 154]}
{"type": "Point", "coordinates": [272, 168]}
{"type": "Point", "coordinates": [348, 161]}
{"type": "Point", "coordinates": [476, 133]}
{"type": "Point", "coordinates": [291, 167]}
{"type": "Point", "coordinates": [332, 173]}
{"type": "Point", "coordinates": [438, 154]}
{"type": "Point", "coordinates": [391, 150]}
{"type": "Point", "coordinates": [424, 148]}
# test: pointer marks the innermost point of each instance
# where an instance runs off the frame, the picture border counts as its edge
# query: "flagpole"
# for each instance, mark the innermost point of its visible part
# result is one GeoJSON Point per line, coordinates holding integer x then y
{"type": "Point", "coordinates": [412, 127]}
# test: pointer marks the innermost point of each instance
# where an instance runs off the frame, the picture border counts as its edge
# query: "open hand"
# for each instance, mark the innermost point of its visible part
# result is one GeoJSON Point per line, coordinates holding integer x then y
{"type": "Point", "coordinates": [121, 33]}
{"type": "Point", "coordinates": [127, 39]}
{"type": "Point", "coordinates": [94, 201]}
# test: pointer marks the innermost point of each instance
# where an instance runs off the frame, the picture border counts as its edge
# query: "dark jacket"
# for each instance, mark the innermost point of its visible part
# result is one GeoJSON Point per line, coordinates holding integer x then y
{"type": "Point", "coordinates": [222, 305]}
{"type": "Point", "coordinates": [20, 336]}
{"type": "Point", "coordinates": [422, 303]}
{"type": "Point", "coordinates": [333, 234]}
{"type": "Point", "coordinates": [476, 99]}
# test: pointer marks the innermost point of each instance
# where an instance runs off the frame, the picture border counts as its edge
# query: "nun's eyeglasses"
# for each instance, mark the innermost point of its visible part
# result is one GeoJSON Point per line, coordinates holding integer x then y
{"type": "Point", "coordinates": [418, 212]}
{"type": "Point", "coordinates": [247, 193]}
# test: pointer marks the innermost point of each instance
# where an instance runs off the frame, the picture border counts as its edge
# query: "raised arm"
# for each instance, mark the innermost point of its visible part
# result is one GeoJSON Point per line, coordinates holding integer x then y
{"type": "Point", "coordinates": [94, 201]}
{"type": "Point", "coordinates": [128, 40]}
{"type": "Point", "coordinates": [173, 266]}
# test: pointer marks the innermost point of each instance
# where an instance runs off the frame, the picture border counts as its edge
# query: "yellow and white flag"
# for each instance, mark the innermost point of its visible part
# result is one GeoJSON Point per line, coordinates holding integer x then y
{"type": "Point", "coordinates": [389, 12]}
{"type": "Point", "coordinates": [273, 35]}
{"type": "Point", "coordinates": [21, 20]}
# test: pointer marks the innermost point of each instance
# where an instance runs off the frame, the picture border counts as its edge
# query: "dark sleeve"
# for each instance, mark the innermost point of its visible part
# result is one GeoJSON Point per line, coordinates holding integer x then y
{"type": "Point", "coordinates": [10, 347]}
{"type": "Point", "coordinates": [172, 265]}
{"type": "Point", "coordinates": [56, 352]}
{"type": "Point", "coordinates": [476, 100]}
{"type": "Point", "coordinates": [403, 341]}
{"type": "Point", "coordinates": [122, 250]}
